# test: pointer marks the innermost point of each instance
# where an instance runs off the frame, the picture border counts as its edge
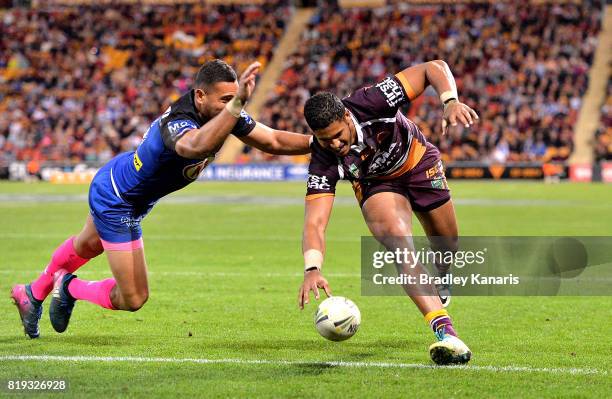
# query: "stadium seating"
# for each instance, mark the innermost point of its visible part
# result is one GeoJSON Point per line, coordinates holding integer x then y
{"type": "Point", "coordinates": [523, 67]}
{"type": "Point", "coordinates": [603, 141]}
{"type": "Point", "coordinates": [85, 88]}
{"type": "Point", "coordinates": [83, 83]}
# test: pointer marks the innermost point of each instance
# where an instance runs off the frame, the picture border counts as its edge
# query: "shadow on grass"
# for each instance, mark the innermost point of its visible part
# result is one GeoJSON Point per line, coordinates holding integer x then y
{"type": "Point", "coordinates": [312, 368]}
{"type": "Point", "coordinates": [318, 368]}
{"type": "Point", "coordinates": [360, 347]}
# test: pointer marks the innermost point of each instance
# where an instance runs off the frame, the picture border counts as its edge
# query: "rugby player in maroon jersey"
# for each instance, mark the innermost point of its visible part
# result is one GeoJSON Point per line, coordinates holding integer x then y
{"type": "Point", "coordinates": [367, 140]}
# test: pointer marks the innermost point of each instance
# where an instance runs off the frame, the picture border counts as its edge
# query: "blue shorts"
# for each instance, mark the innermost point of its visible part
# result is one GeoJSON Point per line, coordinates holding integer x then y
{"type": "Point", "coordinates": [117, 221]}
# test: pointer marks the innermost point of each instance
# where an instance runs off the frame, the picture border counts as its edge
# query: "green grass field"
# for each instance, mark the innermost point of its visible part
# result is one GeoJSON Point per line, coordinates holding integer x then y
{"type": "Point", "coordinates": [222, 319]}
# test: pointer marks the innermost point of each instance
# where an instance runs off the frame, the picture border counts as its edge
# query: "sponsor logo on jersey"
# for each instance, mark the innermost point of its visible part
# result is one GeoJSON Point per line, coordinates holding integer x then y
{"type": "Point", "coordinates": [178, 127]}
{"type": "Point", "coordinates": [130, 221]}
{"type": "Point", "coordinates": [384, 159]}
{"type": "Point", "coordinates": [438, 184]}
{"type": "Point", "coordinates": [137, 162]}
{"type": "Point", "coordinates": [246, 117]}
{"type": "Point", "coordinates": [354, 170]}
{"type": "Point", "coordinates": [191, 172]}
{"type": "Point", "coordinates": [318, 182]}
{"type": "Point", "coordinates": [436, 170]}
{"type": "Point", "coordinates": [436, 176]}
{"type": "Point", "coordinates": [392, 91]}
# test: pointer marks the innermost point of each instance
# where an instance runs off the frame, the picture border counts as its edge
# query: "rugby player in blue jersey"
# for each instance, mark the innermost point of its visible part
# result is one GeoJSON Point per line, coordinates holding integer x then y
{"type": "Point", "coordinates": [366, 139]}
{"type": "Point", "coordinates": [174, 150]}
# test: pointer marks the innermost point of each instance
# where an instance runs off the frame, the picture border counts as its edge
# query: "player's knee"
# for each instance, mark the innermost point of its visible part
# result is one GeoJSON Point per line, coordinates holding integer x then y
{"type": "Point", "coordinates": [88, 247]}
{"type": "Point", "coordinates": [391, 230]}
{"type": "Point", "coordinates": [135, 302]}
{"type": "Point", "coordinates": [445, 244]}
{"type": "Point", "coordinates": [394, 241]}
{"type": "Point", "coordinates": [94, 246]}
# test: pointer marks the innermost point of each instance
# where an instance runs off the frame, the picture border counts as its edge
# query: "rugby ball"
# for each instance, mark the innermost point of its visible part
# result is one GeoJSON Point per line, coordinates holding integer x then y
{"type": "Point", "coordinates": [337, 318]}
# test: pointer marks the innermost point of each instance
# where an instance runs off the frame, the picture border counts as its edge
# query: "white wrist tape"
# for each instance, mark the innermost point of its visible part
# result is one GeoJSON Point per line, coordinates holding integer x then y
{"type": "Point", "coordinates": [447, 95]}
{"type": "Point", "coordinates": [313, 258]}
{"type": "Point", "coordinates": [234, 106]}
{"type": "Point", "coordinates": [310, 140]}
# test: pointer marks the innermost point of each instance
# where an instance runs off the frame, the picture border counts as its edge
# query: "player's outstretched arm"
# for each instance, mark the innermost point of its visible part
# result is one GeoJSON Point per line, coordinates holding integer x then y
{"type": "Point", "coordinates": [278, 142]}
{"type": "Point", "coordinates": [205, 141]}
{"type": "Point", "coordinates": [316, 217]}
{"type": "Point", "coordinates": [437, 74]}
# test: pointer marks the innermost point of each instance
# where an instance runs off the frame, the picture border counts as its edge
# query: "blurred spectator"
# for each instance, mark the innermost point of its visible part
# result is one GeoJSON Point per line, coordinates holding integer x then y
{"type": "Point", "coordinates": [82, 84]}
{"type": "Point", "coordinates": [603, 139]}
{"type": "Point", "coordinates": [522, 66]}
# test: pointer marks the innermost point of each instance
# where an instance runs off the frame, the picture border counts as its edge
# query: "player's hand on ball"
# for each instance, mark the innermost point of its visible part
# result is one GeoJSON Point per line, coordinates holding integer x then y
{"type": "Point", "coordinates": [457, 112]}
{"type": "Point", "coordinates": [246, 83]}
{"type": "Point", "coordinates": [313, 280]}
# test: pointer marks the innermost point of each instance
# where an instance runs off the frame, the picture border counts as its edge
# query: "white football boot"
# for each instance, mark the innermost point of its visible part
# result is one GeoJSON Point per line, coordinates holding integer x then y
{"type": "Point", "coordinates": [449, 350]}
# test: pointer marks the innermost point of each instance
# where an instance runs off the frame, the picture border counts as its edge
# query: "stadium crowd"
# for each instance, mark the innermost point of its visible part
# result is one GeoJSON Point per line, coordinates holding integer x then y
{"type": "Point", "coordinates": [603, 138]}
{"type": "Point", "coordinates": [83, 84]}
{"type": "Point", "coordinates": [523, 67]}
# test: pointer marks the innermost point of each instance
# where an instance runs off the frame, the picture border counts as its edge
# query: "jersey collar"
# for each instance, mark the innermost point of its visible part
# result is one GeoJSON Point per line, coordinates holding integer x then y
{"type": "Point", "coordinates": [360, 144]}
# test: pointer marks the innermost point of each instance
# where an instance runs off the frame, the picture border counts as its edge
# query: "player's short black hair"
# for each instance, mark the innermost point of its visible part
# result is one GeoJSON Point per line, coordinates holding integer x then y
{"type": "Point", "coordinates": [323, 109]}
{"type": "Point", "coordinates": [214, 71]}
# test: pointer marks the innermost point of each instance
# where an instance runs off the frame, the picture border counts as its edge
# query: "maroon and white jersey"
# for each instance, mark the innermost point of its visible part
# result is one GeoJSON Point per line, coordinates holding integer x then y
{"type": "Point", "coordinates": [388, 144]}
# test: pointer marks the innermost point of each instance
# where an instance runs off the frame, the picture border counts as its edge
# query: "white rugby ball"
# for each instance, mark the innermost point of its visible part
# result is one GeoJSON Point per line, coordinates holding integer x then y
{"type": "Point", "coordinates": [337, 318]}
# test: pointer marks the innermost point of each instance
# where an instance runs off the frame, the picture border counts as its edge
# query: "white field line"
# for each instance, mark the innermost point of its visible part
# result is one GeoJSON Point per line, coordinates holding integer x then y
{"type": "Point", "coordinates": [348, 364]}
{"type": "Point", "coordinates": [154, 237]}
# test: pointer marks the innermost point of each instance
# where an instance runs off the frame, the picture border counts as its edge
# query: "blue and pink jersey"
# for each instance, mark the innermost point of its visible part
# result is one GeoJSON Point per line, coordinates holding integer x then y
{"type": "Point", "coordinates": [126, 188]}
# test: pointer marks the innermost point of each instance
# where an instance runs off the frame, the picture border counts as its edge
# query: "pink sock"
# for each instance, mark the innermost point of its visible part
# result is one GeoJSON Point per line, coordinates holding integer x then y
{"type": "Point", "coordinates": [64, 257]}
{"type": "Point", "coordinates": [97, 292]}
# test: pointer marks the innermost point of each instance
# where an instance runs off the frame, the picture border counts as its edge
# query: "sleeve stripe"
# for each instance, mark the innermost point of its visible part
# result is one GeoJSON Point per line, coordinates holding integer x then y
{"type": "Point", "coordinates": [311, 197]}
{"type": "Point", "coordinates": [407, 87]}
